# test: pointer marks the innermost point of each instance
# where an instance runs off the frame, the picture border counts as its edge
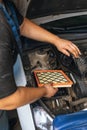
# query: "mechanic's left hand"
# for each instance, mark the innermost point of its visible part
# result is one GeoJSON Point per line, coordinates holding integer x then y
{"type": "Point", "coordinates": [67, 47]}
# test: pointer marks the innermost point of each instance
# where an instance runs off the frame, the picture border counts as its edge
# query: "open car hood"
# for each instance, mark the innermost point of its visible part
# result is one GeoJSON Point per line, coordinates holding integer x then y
{"type": "Point", "coordinates": [40, 8]}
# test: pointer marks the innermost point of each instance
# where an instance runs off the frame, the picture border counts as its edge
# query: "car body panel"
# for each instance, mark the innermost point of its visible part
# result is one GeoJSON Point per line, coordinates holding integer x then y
{"type": "Point", "coordinates": [44, 7]}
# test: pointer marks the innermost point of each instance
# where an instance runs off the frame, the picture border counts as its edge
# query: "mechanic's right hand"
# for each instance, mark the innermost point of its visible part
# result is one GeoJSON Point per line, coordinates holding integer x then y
{"type": "Point", "coordinates": [50, 91]}
{"type": "Point", "coordinates": [67, 47]}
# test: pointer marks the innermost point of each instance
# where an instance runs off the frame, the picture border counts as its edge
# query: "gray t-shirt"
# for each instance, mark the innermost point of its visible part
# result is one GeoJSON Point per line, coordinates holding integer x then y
{"type": "Point", "coordinates": [8, 52]}
{"type": "Point", "coordinates": [8, 48]}
{"type": "Point", "coordinates": [22, 6]}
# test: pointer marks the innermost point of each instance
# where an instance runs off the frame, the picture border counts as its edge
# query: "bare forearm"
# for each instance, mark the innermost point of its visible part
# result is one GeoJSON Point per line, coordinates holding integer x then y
{"type": "Point", "coordinates": [22, 96]}
{"type": "Point", "coordinates": [31, 30]}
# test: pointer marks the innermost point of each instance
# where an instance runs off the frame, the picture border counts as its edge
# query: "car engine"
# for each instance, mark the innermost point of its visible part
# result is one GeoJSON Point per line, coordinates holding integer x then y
{"type": "Point", "coordinates": [39, 56]}
{"type": "Point", "coordinates": [66, 100]}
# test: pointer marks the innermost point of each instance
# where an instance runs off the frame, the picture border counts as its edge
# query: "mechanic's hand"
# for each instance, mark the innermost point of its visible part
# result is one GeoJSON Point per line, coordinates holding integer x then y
{"type": "Point", "coordinates": [50, 91]}
{"type": "Point", "coordinates": [67, 47]}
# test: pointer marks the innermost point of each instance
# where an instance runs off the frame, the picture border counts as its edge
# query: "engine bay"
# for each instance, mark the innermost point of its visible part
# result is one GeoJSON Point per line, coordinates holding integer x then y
{"type": "Point", "coordinates": [44, 56]}
{"type": "Point", "coordinates": [66, 100]}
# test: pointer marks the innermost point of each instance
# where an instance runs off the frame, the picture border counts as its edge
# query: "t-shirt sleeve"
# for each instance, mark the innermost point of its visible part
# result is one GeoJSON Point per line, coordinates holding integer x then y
{"type": "Point", "coordinates": [19, 16]}
{"type": "Point", "coordinates": [7, 82]}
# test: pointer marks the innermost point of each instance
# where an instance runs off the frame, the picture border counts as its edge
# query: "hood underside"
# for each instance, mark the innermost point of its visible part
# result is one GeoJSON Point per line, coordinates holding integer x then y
{"type": "Point", "coordinates": [40, 8]}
